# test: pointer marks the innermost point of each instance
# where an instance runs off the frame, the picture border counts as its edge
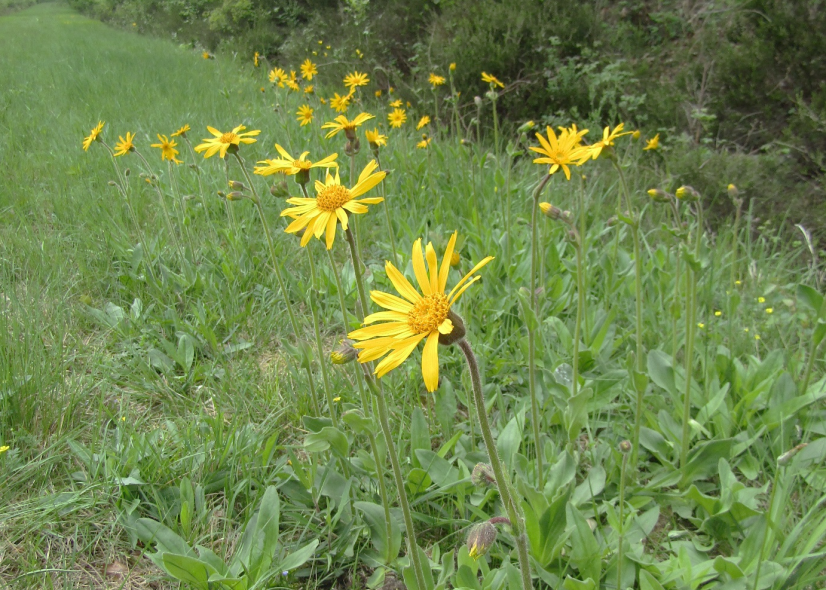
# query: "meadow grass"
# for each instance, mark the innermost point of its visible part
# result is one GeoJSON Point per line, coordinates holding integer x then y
{"type": "Point", "coordinates": [151, 366]}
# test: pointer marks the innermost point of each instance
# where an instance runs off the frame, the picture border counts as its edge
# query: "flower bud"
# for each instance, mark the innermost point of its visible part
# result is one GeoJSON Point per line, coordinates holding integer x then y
{"type": "Point", "coordinates": [732, 191]}
{"type": "Point", "coordinates": [482, 475]}
{"type": "Point", "coordinates": [526, 126]}
{"type": "Point", "coordinates": [478, 101]}
{"type": "Point", "coordinates": [235, 196]}
{"type": "Point", "coordinates": [127, 172]}
{"type": "Point", "coordinates": [659, 196]}
{"type": "Point", "coordinates": [625, 446]}
{"type": "Point", "coordinates": [345, 352]}
{"type": "Point", "coordinates": [452, 67]}
{"type": "Point", "coordinates": [237, 186]}
{"type": "Point", "coordinates": [279, 189]}
{"type": "Point", "coordinates": [480, 539]}
{"type": "Point", "coordinates": [688, 194]}
{"type": "Point", "coordinates": [455, 259]}
{"type": "Point", "coordinates": [612, 221]}
{"type": "Point", "coordinates": [550, 211]}
{"type": "Point", "coordinates": [636, 134]}
{"type": "Point", "coordinates": [492, 95]}
{"type": "Point", "coordinates": [302, 177]}
{"type": "Point", "coordinates": [466, 142]}
{"type": "Point", "coordinates": [113, 183]}
{"type": "Point", "coordinates": [788, 455]}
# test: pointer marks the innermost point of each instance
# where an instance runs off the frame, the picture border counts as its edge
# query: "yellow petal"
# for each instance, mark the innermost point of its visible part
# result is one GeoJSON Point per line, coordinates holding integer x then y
{"type": "Point", "coordinates": [401, 283]}
{"type": "Point", "coordinates": [468, 275]}
{"type": "Point", "coordinates": [419, 268]}
{"type": "Point", "coordinates": [430, 362]}
{"type": "Point", "coordinates": [433, 267]}
{"type": "Point", "coordinates": [399, 355]}
{"type": "Point", "coordinates": [386, 316]}
{"type": "Point", "coordinates": [331, 231]}
{"type": "Point", "coordinates": [446, 327]}
{"type": "Point", "coordinates": [390, 302]}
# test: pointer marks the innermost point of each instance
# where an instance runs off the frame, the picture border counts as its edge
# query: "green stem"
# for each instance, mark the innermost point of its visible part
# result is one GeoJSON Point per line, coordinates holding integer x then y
{"type": "Point", "coordinates": [319, 348]}
{"type": "Point", "coordinates": [621, 520]}
{"type": "Point", "coordinates": [513, 509]}
{"type": "Point", "coordinates": [354, 257]}
{"type": "Point", "coordinates": [201, 189]}
{"type": "Point", "coordinates": [508, 226]}
{"type": "Point", "coordinates": [176, 191]}
{"type": "Point", "coordinates": [535, 421]}
{"type": "Point", "coordinates": [167, 218]}
{"type": "Point", "coordinates": [691, 317]}
{"type": "Point", "coordinates": [580, 307]}
{"type": "Point", "coordinates": [495, 126]}
{"type": "Point", "coordinates": [387, 214]}
{"type": "Point", "coordinates": [412, 545]}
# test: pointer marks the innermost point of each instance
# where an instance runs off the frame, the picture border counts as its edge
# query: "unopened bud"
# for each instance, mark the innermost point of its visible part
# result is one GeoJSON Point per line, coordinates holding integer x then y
{"type": "Point", "coordinates": [788, 455]}
{"type": "Point", "coordinates": [625, 446]}
{"type": "Point", "coordinates": [480, 539]}
{"type": "Point", "coordinates": [550, 210]}
{"type": "Point", "coordinates": [280, 190]}
{"type": "Point", "coordinates": [127, 172]}
{"type": "Point", "coordinates": [572, 236]}
{"type": "Point", "coordinates": [526, 126]}
{"type": "Point", "coordinates": [345, 352]}
{"type": "Point", "coordinates": [466, 142]}
{"type": "Point", "coordinates": [478, 101]}
{"type": "Point", "coordinates": [732, 191]}
{"type": "Point", "coordinates": [455, 259]}
{"type": "Point", "coordinates": [636, 134]}
{"type": "Point", "coordinates": [612, 221]}
{"type": "Point", "coordinates": [237, 186]}
{"type": "Point", "coordinates": [492, 95]}
{"type": "Point", "coordinates": [659, 196]}
{"type": "Point", "coordinates": [113, 183]}
{"type": "Point", "coordinates": [235, 196]}
{"type": "Point", "coordinates": [222, 194]}
{"type": "Point", "coordinates": [566, 216]}
{"type": "Point", "coordinates": [482, 475]}
{"type": "Point", "coordinates": [688, 194]}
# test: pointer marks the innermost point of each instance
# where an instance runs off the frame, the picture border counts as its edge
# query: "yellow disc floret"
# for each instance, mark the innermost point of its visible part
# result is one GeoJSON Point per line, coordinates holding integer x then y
{"type": "Point", "coordinates": [428, 313]}
{"type": "Point", "coordinates": [332, 197]}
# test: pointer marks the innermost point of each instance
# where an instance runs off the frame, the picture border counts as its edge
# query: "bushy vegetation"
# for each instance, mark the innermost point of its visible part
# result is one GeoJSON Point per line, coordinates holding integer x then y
{"type": "Point", "coordinates": [654, 388]}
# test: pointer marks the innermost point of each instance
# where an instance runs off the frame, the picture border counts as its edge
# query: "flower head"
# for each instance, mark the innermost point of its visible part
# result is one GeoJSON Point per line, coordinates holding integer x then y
{"type": "Point", "coordinates": [414, 316]}
{"type": "Point", "coordinates": [435, 80]}
{"type": "Point", "coordinates": [397, 118]}
{"type": "Point", "coordinates": [167, 147]}
{"type": "Point", "coordinates": [561, 151]}
{"type": "Point", "coordinates": [355, 79]}
{"type": "Point", "coordinates": [224, 142]}
{"type": "Point", "coordinates": [207, 55]}
{"type": "Point", "coordinates": [278, 76]}
{"type": "Point", "coordinates": [607, 140]}
{"type": "Point", "coordinates": [293, 85]}
{"type": "Point", "coordinates": [342, 123]}
{"type": "Point", "coordinates": [181, 132]}
{"type": "Point", "coordinates": [492, 80]}
{"type": "Point", "coordinates": [375, 139]}
{"type": "Point", "coordinates": [422, 122]}
{"type": "Point", "coordinates": [452, 67]}
{"type": "Point", "coordinates": [125, 145]}
{"type": "Point", "coordinates": [305, 114]}
{"type": "Point", "coordinates": [332, 205]}
{"type": "Point", "coordinates": [480, 539]}
{"type": "Point", "coordinates": [255, 59]}
{"type": "Point", "coordinates": [340, 103]}
{"type": "Point", "coordinates": [93, 135]}
{"type": "Point", "coordinates": [308, 69]}
{"type": "Point", "coordinates": [652, 144]}
{"type": "Point", "coordinates": [636, 134]}
{"type": "Point", "coordinates": [289, 165]}
{"type": "Point", "coordinates": [396, 103]}
{"type": "Point", "coordinates": [424, 143]}
{"type": "Point", "coordinates": [308, 89]}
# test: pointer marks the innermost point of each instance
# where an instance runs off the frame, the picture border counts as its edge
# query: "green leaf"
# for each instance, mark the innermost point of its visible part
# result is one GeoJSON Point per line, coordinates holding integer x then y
{"type": "Point", "coordinates": [188, 569]}
{"type": "Point", "coordinates": [375, 518]}
{"type": "Point", "coordinates": [418, 481]}
{"type": "Point", "coordinates": [574, 584]}
{"type": "Point", "coordinates": [527, 311]}
{"type": "Point", "coordinates": [509, 440]}
{"type": "Point", "coordinates": [327, 438]}
{"type": "Point", "coordinates": [585, 551]}
{"type": "Point", "coordinates": [298, 558]}
{"type": "Point", "coordinates": [439, 469]}
{"type": "Point", "coordinates": [649, 582]}
{"type": "Point", "coordinates": [703, 459]}
{"type": "Point", "coordinates": [357, 421]}
{"type": "Point", "coordinates": [661, 371]}
{"type": "Point", "coordinates": [419, 435]}
{"type": "Point", "coordinates": [151, 531]}
{"type": "Point", "coordinates": [265, 535]}
{"type": "Point", "coordinates": [811, 299]}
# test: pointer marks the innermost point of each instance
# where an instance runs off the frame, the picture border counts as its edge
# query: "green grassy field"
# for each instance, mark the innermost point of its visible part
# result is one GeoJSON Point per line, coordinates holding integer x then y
{"type": "Point", "coordinates": [148, 369]}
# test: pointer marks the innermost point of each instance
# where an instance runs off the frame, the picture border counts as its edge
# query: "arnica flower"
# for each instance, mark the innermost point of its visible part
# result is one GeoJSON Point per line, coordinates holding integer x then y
{"type": "Point", "coordinates": [378, 93]}
{"type": "Point", "coordinates": [396, 103]}
{"type": "Point", "coordinates": [255, 59]}
{"type": "Point", "coordinates": [293, 85]}
{"type": "Point", "coordinates": [308, 69]}
{"type": "Point", "coordinates": [289, 165]}
{"type": "Point", "coordinates": [93, 135]}
{"type": "Point", "coordinates": [207, 55]}
{"type": "Point", "coordinates": [562, 151]}
{"type": "Point", "coordinates": [652, 144]}
{"type": "Point", "coordinates": [424, 142]}
{"type": "Point", "coordinates": [480, 539]}
{"type": "Point", "coordinates": [422, 122]}
{"type": "Point", "coordinates": [332, 205]}
{"type": "Point", "coordinates": [278, 76]}
{"type": "Point", "coordinates": [4, 448]}
{"type": "Point", "coordinates": [375, 139]}
{"type": "Point", "coordinates": [413, 317]}
{"type": "Point", "coordinates": [340, 103]}
{"type": "Point", "coordinates": [435, 80]}
{"type": "Point", "coordinates": [181, 132]}
{"type": "Point", "coordinates": [125, 145]}
{"type": "Point", "coordinates": [636, 134]}
{"type": "Point", "coordinates": [492, 80]}
{"type": "Point", "coordinates": [309, 89]}
{"type": "Point", "coordinates": [342, 123]}
{"type": "Point", "coordinates": [305, 114]}
{"type": "Point", "coordinates": [452, 67]}
{"type": "Point", "coordinates": [607, 140]}
{"type": "Point", "coordinates": [352, 81]}
{"type": "Point", "coordinates": [396, 118]}
{"type": "Point", "coordinates": [344, 353]}
{"type": "Point", "coordinates": [224, 142]}
{"type": "Point", "coordinates": [167, 147]}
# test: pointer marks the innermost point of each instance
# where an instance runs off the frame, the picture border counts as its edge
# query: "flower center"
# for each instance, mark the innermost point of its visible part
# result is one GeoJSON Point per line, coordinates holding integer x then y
{"type": "Point", "coordinates": [302, 164]}
{"type": "Point", "coordinates": [228, 137]}
{"type": "Point", "coordinates": [428, 313]}
{"type": "Point", "coordinates": [332, 197]}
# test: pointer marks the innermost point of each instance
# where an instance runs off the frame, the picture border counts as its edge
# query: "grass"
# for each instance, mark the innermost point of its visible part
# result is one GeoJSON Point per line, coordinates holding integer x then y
{"type": "Point", "coordinates": [127, 396]}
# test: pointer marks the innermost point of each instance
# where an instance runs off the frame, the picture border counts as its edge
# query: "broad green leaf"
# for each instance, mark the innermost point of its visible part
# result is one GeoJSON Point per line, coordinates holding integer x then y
{"type": "Point", "coordinates": [375, 518]}
{"type": "Point", "coordinates": [327, 438]}
{"type": "Point", "coordinates": [151, 531]}
{"type": "Point", "coordinates": [509, 440]}
{"type": "Point", "coordinates": [661, 371]}
{"type": "Point", "coordinates": [298, 558]}
{"type": "Point", "coordinates": [585, 552]}
{"type": "Point", "coordinates": [188, 569]}
{"type": "Point", "coordinates": [811, 299]}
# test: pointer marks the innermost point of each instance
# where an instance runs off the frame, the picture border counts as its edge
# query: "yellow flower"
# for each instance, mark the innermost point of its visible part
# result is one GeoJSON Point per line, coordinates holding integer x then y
{"type": "Point", "coordinates": [738, 283]}
{"type": "Point", "coordinates": [4, 448]}
{"type": "Point", "coordinates": [332, 205]}
{"type": "Point", "coordinates": [701, 325]}
{"type": "Point", "coordinates": [378, 93]}
{"type": "Point", "coordinates": [652, 144]}
{"type": "Point", "coordinates": [718, 313]}
{"type": "Point", "coordinates": [757, 336]}
{"type": "Point", "coordinates": [761, 300]}
{"type": "Point", "coordinates": [396, 103]}
{"type": "Point", "coordinates": [93, 135]}
{"type": "Point", "coordinates": [452, 67]}
{"type": "Point", "coordinates": [391, 90]}
{"type": "Point", "coordinates": [125, 145]}
{"type": "Point", "coordinates": [293, 85]}
{"type": "Point", "coordinates": [455, 259]}
{"type": "Point", "coordinates": [561, 151]}
{"type": "Point", "coordinates": [337, 399]}
{"type": "Point", "coordinates": [492, 80]}
{"type": "Point", "coordinates": [278, 76]}
{"type": "Point", "coordinates": [305, 114]}
{"type": "Point", "coordinates": [323, 100]}
{"type": "Point", "coordinates": [255, 59]}
{"type": "Point", "coordinates": [435, 80]}
{"type": "Point", "coordinates": [424, 142]}
{"type": "Point", "coordinates": [422, 122]}
{"type": "Point", "coordinates": [167, 147]}
{"type": "Point", "coordinates": [308, 69]}
{"type": "Point", "coordinates": [206, 55]}
{"type": "Point", "coordinates": [374, 138]}
{"type": "Point", "coordinates": [308, 89]}
{"type": "Point", "coordinates": [289, 165]}
{"type": "Point", "coordinates": [340, 103]}
{"type": "Point", "coordinates": [355, 79]}
{"type": "Point", "coordinates": [607, 140]}
{"type": "Point", "coordinates": [397, 118]}
{"type": "Point", "coordinates": [342, 123]}
{"type": "Point", "coordinates": [181, 131]}
{"type": "Point", "coordinates": [636, 134]}
{"type": "Point", "coordinates": [223, 142]}
{"type": "Point", "coordinates": [769, 310]}
{"type": "Point", "coordinates": [413, 317]}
